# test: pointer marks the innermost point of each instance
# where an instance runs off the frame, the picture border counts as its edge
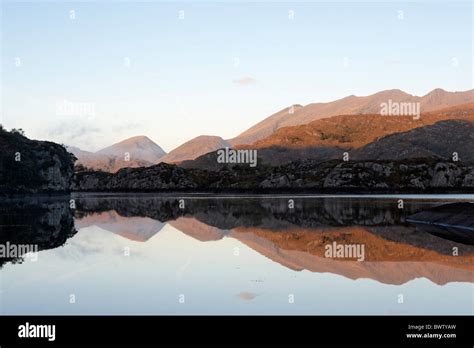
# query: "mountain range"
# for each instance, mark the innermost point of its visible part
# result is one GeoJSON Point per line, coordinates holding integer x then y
{"type": "Point", "coordinates": [351, 105]}
{"type": "Point", "coordinates": [437, 134]}
{"type": "Point", "coordinates": [318, 130]}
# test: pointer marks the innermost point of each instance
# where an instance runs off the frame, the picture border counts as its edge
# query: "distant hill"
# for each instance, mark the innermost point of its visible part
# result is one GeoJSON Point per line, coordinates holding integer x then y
{"type": "Point", "coordinates": [194, 148]}
{"type": "Point", "coordinates": [143, 153]}
{"type": "Point", "coordinates": [351, 105]}
{"type": "Point", "coordinates": [139, 148]}
{"type": "Point", "coordinates": [104, 163]}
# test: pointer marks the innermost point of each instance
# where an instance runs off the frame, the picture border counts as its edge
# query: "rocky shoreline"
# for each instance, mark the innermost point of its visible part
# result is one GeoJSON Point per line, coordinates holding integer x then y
{"type": "Point", "coordinates": [40, 167]}
{"type": "Point", "coordinates": [414, 176]}
{"type": "Point", "coordinates": [455, 215]}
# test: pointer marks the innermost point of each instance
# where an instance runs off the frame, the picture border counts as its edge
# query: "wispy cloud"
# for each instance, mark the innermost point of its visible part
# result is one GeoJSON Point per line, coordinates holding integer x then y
{"type": "Point", "coordinates": [127, 126]}
{"type": "Point", "coordinates": [79, 133]}
{"type": "Point", "coordinates": [90, 134]}
{"type": "Point", "coordinates": [245, 81]}
{"type": "Point", "coordinates": [73, 130]}
{"type": "Point", "coordinates": [246, 296]}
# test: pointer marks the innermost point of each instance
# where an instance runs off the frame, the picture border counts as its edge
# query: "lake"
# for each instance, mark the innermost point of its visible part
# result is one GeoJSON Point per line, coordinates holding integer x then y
{"type": "Point", "coordinates": [195, 254]}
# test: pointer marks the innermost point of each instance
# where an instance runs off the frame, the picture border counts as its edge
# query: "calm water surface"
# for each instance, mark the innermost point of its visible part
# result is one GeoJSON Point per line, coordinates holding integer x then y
{"type": "Point", "coordinates": [147, 254]}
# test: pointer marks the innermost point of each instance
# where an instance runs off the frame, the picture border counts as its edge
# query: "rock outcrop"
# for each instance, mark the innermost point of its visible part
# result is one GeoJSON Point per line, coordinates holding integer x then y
{"type": "Point", "coordinates": [31, 166]}
{"type": "Point", "coordinates": [459, 215]}
{"type": "Point", "coordinates": [453, 221]}
{"type": "Point", "coordinates": [161, 177]}
{"type": "Point", "coordinates": [306, 176]}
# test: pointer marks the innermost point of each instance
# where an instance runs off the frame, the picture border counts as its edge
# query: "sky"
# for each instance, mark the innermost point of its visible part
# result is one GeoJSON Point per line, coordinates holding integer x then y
{"type": "Point", "coordinates": [89, 74]}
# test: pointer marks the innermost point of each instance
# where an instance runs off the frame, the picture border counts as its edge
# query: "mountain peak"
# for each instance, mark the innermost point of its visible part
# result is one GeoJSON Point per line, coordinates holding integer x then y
{"type": "Point", "coordinates": [138, 147]}
{"type": "Point", "coordinates": [194, 148]}
{"type": "Point", "coordinates": [391, 93]}
{"type": "Point", "coordinates": [436, 91]}
{"type": "Point", "coordinates": [137, 138]}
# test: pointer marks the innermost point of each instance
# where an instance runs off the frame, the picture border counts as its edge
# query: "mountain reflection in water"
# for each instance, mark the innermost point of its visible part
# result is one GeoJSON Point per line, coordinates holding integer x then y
{"type": "Point", "coordinates": [396, 252]}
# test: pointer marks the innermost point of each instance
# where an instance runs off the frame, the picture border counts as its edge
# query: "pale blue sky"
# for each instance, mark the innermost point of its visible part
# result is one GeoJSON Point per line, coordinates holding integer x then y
{"type": "Point", "coordinates": [183, 77]}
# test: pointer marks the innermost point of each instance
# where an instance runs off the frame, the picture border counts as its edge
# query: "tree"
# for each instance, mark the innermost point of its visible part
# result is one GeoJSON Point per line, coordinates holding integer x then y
{"type": "Point", "coordinates": [18, 131]}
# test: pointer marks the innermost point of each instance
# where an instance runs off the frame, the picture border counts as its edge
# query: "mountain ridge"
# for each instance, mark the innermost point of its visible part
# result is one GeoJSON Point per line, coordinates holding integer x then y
{"type": "Point", "coordinates": [350, 105]}
{"type": "Point", "coordinates": [194, 148]}
{"type": "Point", "coordinates": [366, 137]}
{"type": "Point", "coordinates": [340, 117]}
